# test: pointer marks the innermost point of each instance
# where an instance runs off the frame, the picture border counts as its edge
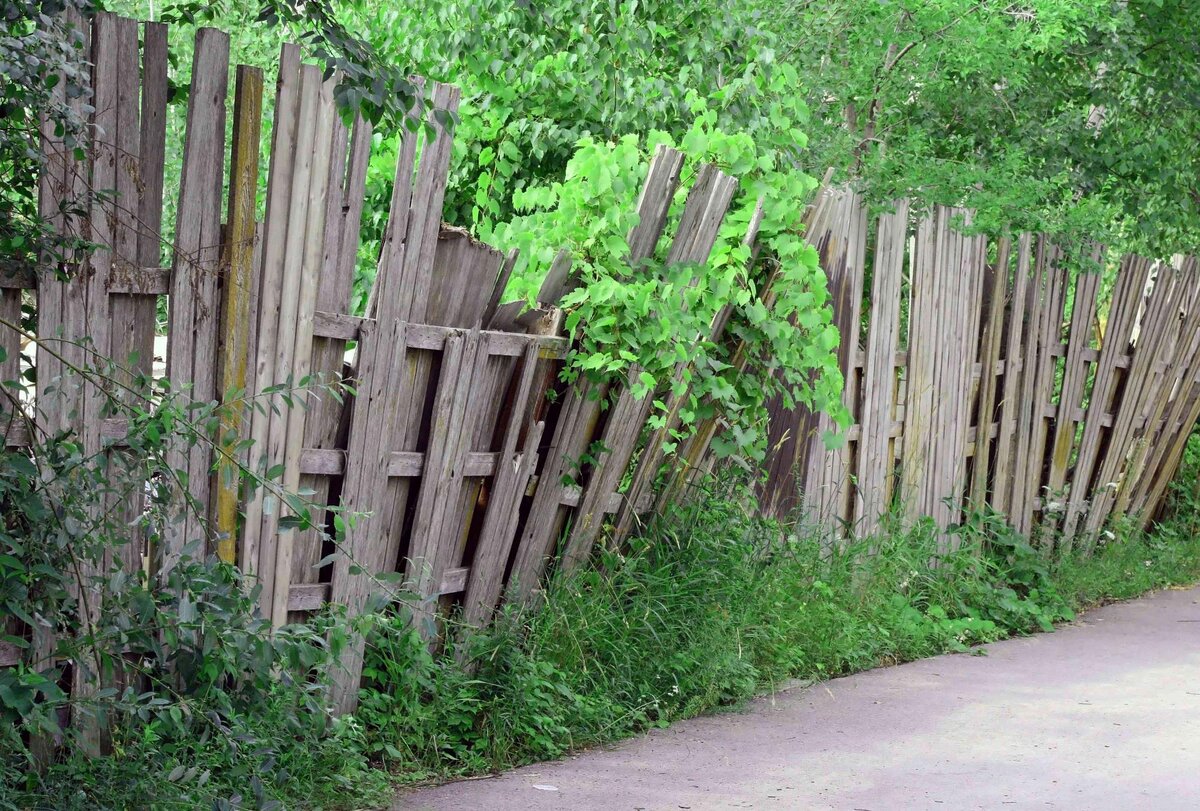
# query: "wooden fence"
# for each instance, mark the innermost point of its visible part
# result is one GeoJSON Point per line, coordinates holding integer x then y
{"type": "Point", "coordinates": [468, 475]}
{"type": "Point", "coordinates": [991, 375]}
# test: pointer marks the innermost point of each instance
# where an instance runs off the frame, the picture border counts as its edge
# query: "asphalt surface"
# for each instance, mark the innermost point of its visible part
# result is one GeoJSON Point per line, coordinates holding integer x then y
{"type": "Point", "coordinates": [1102, 714]}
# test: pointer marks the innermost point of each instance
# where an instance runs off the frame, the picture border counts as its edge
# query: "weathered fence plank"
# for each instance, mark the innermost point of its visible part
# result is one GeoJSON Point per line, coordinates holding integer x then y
{"type": "Point", "coordinates": [875, 452]}
{"type": "Point", "coordinates": [194, 306]}
{"type": "Point", "coordinates": [254, 558]}
{"type": "Point", "coordinates": [237, 323]}
{"type": "Point", "coordinates": [1074, 379]}
{"type": "Point", "coordinates": [995, 300]}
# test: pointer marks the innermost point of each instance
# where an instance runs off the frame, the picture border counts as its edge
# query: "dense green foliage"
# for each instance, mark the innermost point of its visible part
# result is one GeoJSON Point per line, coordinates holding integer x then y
{"type": "Point", "coordinates": [199, 701]}
{"type": "Point", "coordinates": [1064, 115]}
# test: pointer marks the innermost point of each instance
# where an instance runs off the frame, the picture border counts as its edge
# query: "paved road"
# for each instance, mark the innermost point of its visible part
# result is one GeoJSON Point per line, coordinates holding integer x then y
{"type": "Point", "coordinates": [1104, 714]}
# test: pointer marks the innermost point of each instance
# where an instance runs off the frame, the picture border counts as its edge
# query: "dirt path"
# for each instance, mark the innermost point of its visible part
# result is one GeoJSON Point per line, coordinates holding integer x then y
{"type": "Point", "coordinates": [1104, 714]}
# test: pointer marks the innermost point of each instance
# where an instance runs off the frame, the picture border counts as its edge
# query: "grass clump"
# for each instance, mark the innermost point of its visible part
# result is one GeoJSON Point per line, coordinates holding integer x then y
{"type": "Point", "coordinates": [711, 605]}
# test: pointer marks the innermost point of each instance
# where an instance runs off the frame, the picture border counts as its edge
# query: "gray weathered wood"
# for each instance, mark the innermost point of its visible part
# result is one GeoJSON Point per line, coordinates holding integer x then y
{"type": "Point", "coordinates": [326, 413]}
{"type": "Point", "coordinates": [875, 453]}
{"type": "Point", "coordinates": [1074, 380]}
{"type": "Point", "coordinates": [275, 233]}
{"type": "Point", "coordinates": [1014, 362]}
{"type": "Point", "coordinates": [514, 469]}
{"type": "Point", "coordinates": [400, 294]}
{"type": "Point", "coordinates": [194, 307]}
{"type": "Point", "coordinates": [995, 300]}
{"type": "Point", "coordinates": [1127, 297]}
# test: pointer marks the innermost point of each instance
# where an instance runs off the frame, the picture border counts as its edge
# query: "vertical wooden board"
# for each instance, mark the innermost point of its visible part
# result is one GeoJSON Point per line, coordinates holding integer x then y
{"type": "Point", "coordinates": [58, 187]}
{"type": "Point", "coordinates": [270, 286]}
{"type": "Point", "coordinates": [152, 146]}
{"type": "Point", "coordinates": [975, 258]}
{"type": "Point", "coordinates": [996, 298]}
{"type": "Point", "coordinates": [788, 434]}
{"type": "Point", "coordinates": [845, 272]}
{"type": "Point", "coordinates": [441, 476]}
{"type": "Point", "coordinates": [237, 285]}
{"type": "Point", "coordinates": [133, 316]}
{"type": "Point", "coordinates": [513, 471]}
{"type": "Point", "coordinates": [500, 525]}
{"type": "Point", "coordinates": [620, 434]}
{"type": "Point", "coordinates": [295, 284]}
{"type": "Point", "coordinates": [68, 401]}
{"type": "Point", "coordinates": [429, 191]}
{"type": "Point", "coordinates": [326, 413]}
{"type": "Point", "coordinates": [464, 275]}
{"type": "Point", "coordinates": [581, 408]}
{"type": "Point", "coordinates": [707, 202]}
{"type": "Point", "coordinates": [311, 256]}
{"type": "Point", "coordinates": [573, 432]}
{"type": "Point", "coordinates": [950, 299]}
{"type": "Point", "coordinates": [96, 328]}
{"type": "Point", "coordinates": [410, 276]}
{"type": "Point", "coordinates": [365, 481]}
{"type": "Point", "coordinates": [879, 373]}
{"type": "Point", "coordinates": [1161, 453]}
{"type": "Point", "coordinates": [1168, 448]}
{"type": "Point", "coordinates": [826, 234]}
{"type": "Point", "coordinates": [919, 380]}
{"type": "Point", "coordinates": [948, 278]}
{"type": "Point", "coordinates": [1049, 337]}
{"type": "Point", "coordinates": [1037, 300]}
{"type": "Point", "coordinates": [400, 294]}
{"type": "Point", "coordinates": [654, 201]}
{"type": "Point", "coordinates": [1014, 362]}
{"type": "Point", "coordinates": [52, 193]}
{"type": "Point", "coordinates": [1075, 372]}
{"type": "Point", "coordinates": [694, 459]}
{"type": "Point", "coordinates": [194, 306]}
{"type": "Point", "coordinates": [1160, 308]}
{"type": "Point", "coordinates": [89, 326]}
{"type": "Point", "coordinates": [1176, 344]}
{"type": "Point", "coordinates": [967, 265]}
{"type": "Point", "coordinates": [1165, 447]}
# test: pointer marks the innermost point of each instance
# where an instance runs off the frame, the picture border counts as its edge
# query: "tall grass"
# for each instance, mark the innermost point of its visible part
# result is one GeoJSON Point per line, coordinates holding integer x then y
{"type": "Point", "coordinates": [711, 605]}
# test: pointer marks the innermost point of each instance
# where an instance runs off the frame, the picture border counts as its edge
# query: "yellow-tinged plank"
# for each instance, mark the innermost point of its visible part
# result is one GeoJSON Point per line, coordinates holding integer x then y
{"type": "Point", "coordinates": [238, 264]}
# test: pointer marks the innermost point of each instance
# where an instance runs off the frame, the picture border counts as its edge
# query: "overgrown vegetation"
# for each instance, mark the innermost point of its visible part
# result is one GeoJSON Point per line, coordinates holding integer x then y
{"type": "Point", "coordinates": [711, 606]}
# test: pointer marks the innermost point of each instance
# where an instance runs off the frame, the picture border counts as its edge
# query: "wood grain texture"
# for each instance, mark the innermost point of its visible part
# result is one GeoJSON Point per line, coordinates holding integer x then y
{"type": "Point", "coordinates": [514, 469]}
{"type": "Point", "coordinates": [326, 419]}
{"type": "Point", "coordinates": [1151, 341]}
{"type": "Point", "coordinates": [311, 265]}
{"type": "Point", "coordinates": [400, 295]}
{"type": "Point", "coordinates": [580, 410]}
{"type": "Point", "coordinates": [195, 306]}
{"type": "Point", "coordinates": [995, 300]}
{"type": "Point", "coordinates": [1074, 381]}
{"type": "Point", "coordinates": [875, 451]}
{"type": "Point", "coordinates": [236, 289]}
{"type": "Point", "coordinates": [1011, 404]}
{"type": "Point", "coordinates": [708, 201]}
{"type": "Point", "coordinates": [275, 234]}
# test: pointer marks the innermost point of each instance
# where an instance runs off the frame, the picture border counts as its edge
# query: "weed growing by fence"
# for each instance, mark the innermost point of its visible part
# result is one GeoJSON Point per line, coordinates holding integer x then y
{"type": "Point", "coordinates": [712, 605]}
{"type": "Point", "coordinates": [147, 649]}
